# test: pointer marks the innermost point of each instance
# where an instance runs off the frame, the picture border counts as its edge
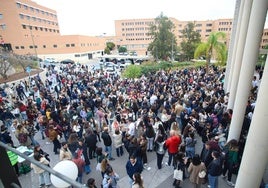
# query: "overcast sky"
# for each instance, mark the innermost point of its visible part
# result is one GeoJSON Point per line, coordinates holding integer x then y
{"type": "Point", "coordinates": [96, 17]}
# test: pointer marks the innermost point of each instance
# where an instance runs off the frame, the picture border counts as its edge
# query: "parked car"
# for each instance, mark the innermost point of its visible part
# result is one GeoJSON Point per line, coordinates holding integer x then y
{"type": "Point", "coordinates": [67, 61]}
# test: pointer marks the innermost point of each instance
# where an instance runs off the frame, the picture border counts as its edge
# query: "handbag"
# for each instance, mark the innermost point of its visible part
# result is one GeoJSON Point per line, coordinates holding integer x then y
{"type": "Point", "coordinates": [178, 174]}
{"type": "Point", "coordinates": [202, 174]}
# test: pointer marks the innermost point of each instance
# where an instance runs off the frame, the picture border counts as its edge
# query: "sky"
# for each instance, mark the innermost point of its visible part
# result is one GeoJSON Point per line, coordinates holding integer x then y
{"type": "Point", "coordinates": [96, 17]}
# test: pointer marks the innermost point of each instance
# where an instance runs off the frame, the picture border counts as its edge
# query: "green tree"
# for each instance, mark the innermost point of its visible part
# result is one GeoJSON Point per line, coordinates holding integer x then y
{"type": "Point", "coordinates": [215, 47]}
{"type": "Point", "coordinates": [164, 44]}
{"type": "Point", "coordinates": [132, 71]}
{"type": "Point", "coordinates": [122, 49]}
{"type": "Point", "coordinates": [110, 45]}
{"type": "Point", "coordinates": [190, 40]}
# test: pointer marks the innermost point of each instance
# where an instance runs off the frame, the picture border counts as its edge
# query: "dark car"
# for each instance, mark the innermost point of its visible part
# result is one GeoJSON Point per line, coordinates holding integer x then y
{"type": "Point", "coordinates": [67, 61]}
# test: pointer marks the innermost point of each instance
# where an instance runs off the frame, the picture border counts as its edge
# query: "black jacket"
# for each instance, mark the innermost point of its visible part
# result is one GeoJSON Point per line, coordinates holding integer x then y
{"type": "Point", "coordinates": [106, 138]}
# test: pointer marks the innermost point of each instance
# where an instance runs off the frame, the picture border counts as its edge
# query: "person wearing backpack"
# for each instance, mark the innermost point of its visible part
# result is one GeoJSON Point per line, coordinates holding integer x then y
{"type": "Point", "coordinates": [160, 150]}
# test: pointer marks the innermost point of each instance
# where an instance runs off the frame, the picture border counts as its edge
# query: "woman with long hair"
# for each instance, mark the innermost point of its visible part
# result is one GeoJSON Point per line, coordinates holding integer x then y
{"type": "Point", "coordinates": [138, 182]}
{"type": "Point", "coordinates": [195, 167]}
{"type": "Point", "coordinates": [231, 160]}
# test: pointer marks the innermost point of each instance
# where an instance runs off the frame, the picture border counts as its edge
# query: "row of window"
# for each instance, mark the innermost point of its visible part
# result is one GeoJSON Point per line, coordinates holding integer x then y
{"type": "Point", "coordinates": [265, 33]}
{"type": "Point", "coordinates": [225, 23]}
{"type": "Point", "coordinates": [132, 39]}
{"type": "Point", "coordinates": [35, 19]}
{"type": "Point", "coordinates": [33, 9]}
{"type": "Point", "coordinates": [137, 23]}
{"type": "Point", "coordinates": [56, 46]}
{"type": "Point", "coordinates": [40, 28]}
{"type": "Point", "coordinates": [224, 29]}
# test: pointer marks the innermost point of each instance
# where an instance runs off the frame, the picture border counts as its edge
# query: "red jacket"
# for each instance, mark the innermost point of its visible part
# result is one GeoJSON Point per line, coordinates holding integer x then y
{"type": "Point", "coordinates": [172, 144]}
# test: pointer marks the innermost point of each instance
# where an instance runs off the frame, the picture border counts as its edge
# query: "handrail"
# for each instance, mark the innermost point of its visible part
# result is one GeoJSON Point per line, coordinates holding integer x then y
{"type": "Point", "coordinates": [44, 167]}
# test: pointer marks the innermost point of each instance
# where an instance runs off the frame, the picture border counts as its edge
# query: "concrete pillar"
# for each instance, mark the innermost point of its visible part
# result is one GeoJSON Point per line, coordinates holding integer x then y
{"type": "Point", "coordinates": [233, 42]}
{"type": "Point", "coordinates": [250, 56]}
{"type": "Point", "coordinates": [237, 58]}
{"type": "Point", "coordinates": [255, 155]}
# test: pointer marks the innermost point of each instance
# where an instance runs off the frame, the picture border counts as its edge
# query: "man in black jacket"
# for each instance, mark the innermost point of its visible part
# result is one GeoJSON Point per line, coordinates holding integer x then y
{"type": "Point", "coordinates": [214, 169]}
{"type": "Point", "coordinates": [107, 142]}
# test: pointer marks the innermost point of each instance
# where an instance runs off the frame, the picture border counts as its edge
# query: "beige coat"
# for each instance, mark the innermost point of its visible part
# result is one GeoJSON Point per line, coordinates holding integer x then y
{"type": "Point", "coordinates": [65, 155]}
{"type": "Point", "coordinates": [38, 170]}
{"type": "Point", "coordinates": [194, 170]}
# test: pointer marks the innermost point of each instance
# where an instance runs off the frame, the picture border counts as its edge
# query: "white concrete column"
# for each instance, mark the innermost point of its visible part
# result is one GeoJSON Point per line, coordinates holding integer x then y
{"type": "Point", "coordinates": [232, 44]}
{"type": "Point", "coordinates": [255, 155]}
{"type": "Point", "coordinates": [250, 56]}
{"type": "Point", "coordinates": [237, 58]}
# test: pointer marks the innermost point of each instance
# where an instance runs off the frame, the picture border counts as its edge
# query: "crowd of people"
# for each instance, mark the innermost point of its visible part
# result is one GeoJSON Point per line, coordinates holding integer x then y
{"type": "Point", "coordinates": [163, 112]}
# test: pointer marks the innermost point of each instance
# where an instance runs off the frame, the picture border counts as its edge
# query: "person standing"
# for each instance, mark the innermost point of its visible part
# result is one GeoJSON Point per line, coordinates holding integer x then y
{"type": "Point", "coordinates": [231, 160]}
{"type": "Point", "coordinates": [43, 175]}
{"type": "Point", "coordinates": [138, 182]}
{"type": "Point", "coordinates": [195, 167]}
{"type": "Point", "coordinates": [65, 153]}
{"type": "Point", "coordinates": [133, 166]}
{"type": "Point", "coordinates": [172, 144]}
{"type": "Point", "coordinates": [110, 179]}
{"type": "Point", "coordinates": [53, 136]}
{"type": "Point", "coordinates": [160, 150]}
{"type": "Point", "coordinates": [214, 170]}
{"type": "Point", "coordinates": [80, 163]}
{"type": "Point", "coordinates": [118, 144]}
{"type": "Point", "coordinates": [91, 142]}
{"type": "Point", "coordinates": [107, 142]}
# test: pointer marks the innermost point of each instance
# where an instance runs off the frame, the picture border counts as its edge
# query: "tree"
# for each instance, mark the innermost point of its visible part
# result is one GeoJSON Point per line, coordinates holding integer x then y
{"type": "Point", "coordinates": [190, 40]}
{"type": "Point", "coordinates": [214, 47]}
{"type": "Point", "coordinates": [132, 71]}
{"type": "Point", "coordinates": [122, 49]}
{"type": "Point", "coordinates": [164, 44]}
{"type": "Point", "coordinates": [109, 47]}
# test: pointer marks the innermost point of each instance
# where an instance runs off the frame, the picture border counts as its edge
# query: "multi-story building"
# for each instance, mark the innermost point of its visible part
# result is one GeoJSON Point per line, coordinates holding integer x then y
{"type": "Point", "coordinates": [29, 28]}
{"type": "Point", "coordinates": [133, 32]}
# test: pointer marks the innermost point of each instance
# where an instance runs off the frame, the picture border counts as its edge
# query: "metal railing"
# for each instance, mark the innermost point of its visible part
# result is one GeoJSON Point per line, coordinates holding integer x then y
{"type": "Point", "coordinates": [44, 167]}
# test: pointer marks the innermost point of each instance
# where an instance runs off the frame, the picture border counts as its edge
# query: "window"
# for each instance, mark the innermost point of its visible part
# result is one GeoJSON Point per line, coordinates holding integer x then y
{"type": "Point", "coordinates": [32, 9]}
{"type": "Point", "coordinates": [18, 5]}
{"type": "Point", "coordinates": [3, 26]}
{"type": "Point", "coordinates": [72, 45]}
{"type": "Point", "coordinates": [198, 25]}
{"type": "Point", "coordinates": [21, 47]}
{"type": "Point", "coordinates": [50, 30]}
{"type": "Point", "coordinates": [28, 17]}
{"type": "Point", "coordinates": [209, 25]}
{"type": "Point", "coordinates": [21, 16]}
{"type": "Point", "coordinates": [31, 47]}
{"type": "Point", "coordinates": [208, 30]}
{"type": "Point", "coordinates": [41, 28]}
{"type": "Point", "coordinates": [17, 47]}
{"type": "Point", "coordinates": [30, 27]}
{"type": "Point", "coordinates": [67, 45]}
{"type": "Point", "coordinates": [44, 46]}
{"type": "Point", "coordinates": [46, 29]}
{"type": "Point", "coordinates": [25, 7]}
{"type": "Point", "coordinates": [23, 26]}
{"type": "Point", "coordinates": [36, 28]}
{"type": "Point", "coordinates": [1, 16]}
{"type": "Point", "coordinates": [55, 46]}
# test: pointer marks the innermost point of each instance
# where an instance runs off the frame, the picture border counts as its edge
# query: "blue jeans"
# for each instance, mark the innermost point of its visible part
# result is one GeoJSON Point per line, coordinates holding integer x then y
{"type": "Point", "coordinates": [44, 178]}
{"type": "Point", "coordinates": [150, 143]}
{"type": "Point", "coordinates": [213, 181]}
{"type": "Point", "coordinates": [108, 149]}
{"type": "Point", "coordinates": [190, 152]}
{"type": "Point", "coordinates": [170, 157]}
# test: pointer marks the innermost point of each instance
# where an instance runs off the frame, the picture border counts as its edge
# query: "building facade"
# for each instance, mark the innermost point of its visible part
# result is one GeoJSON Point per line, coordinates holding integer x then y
{"type": "Point", "coordinates": [132, 33]}
{"type": "Point", "coordinates": [29, 28]}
